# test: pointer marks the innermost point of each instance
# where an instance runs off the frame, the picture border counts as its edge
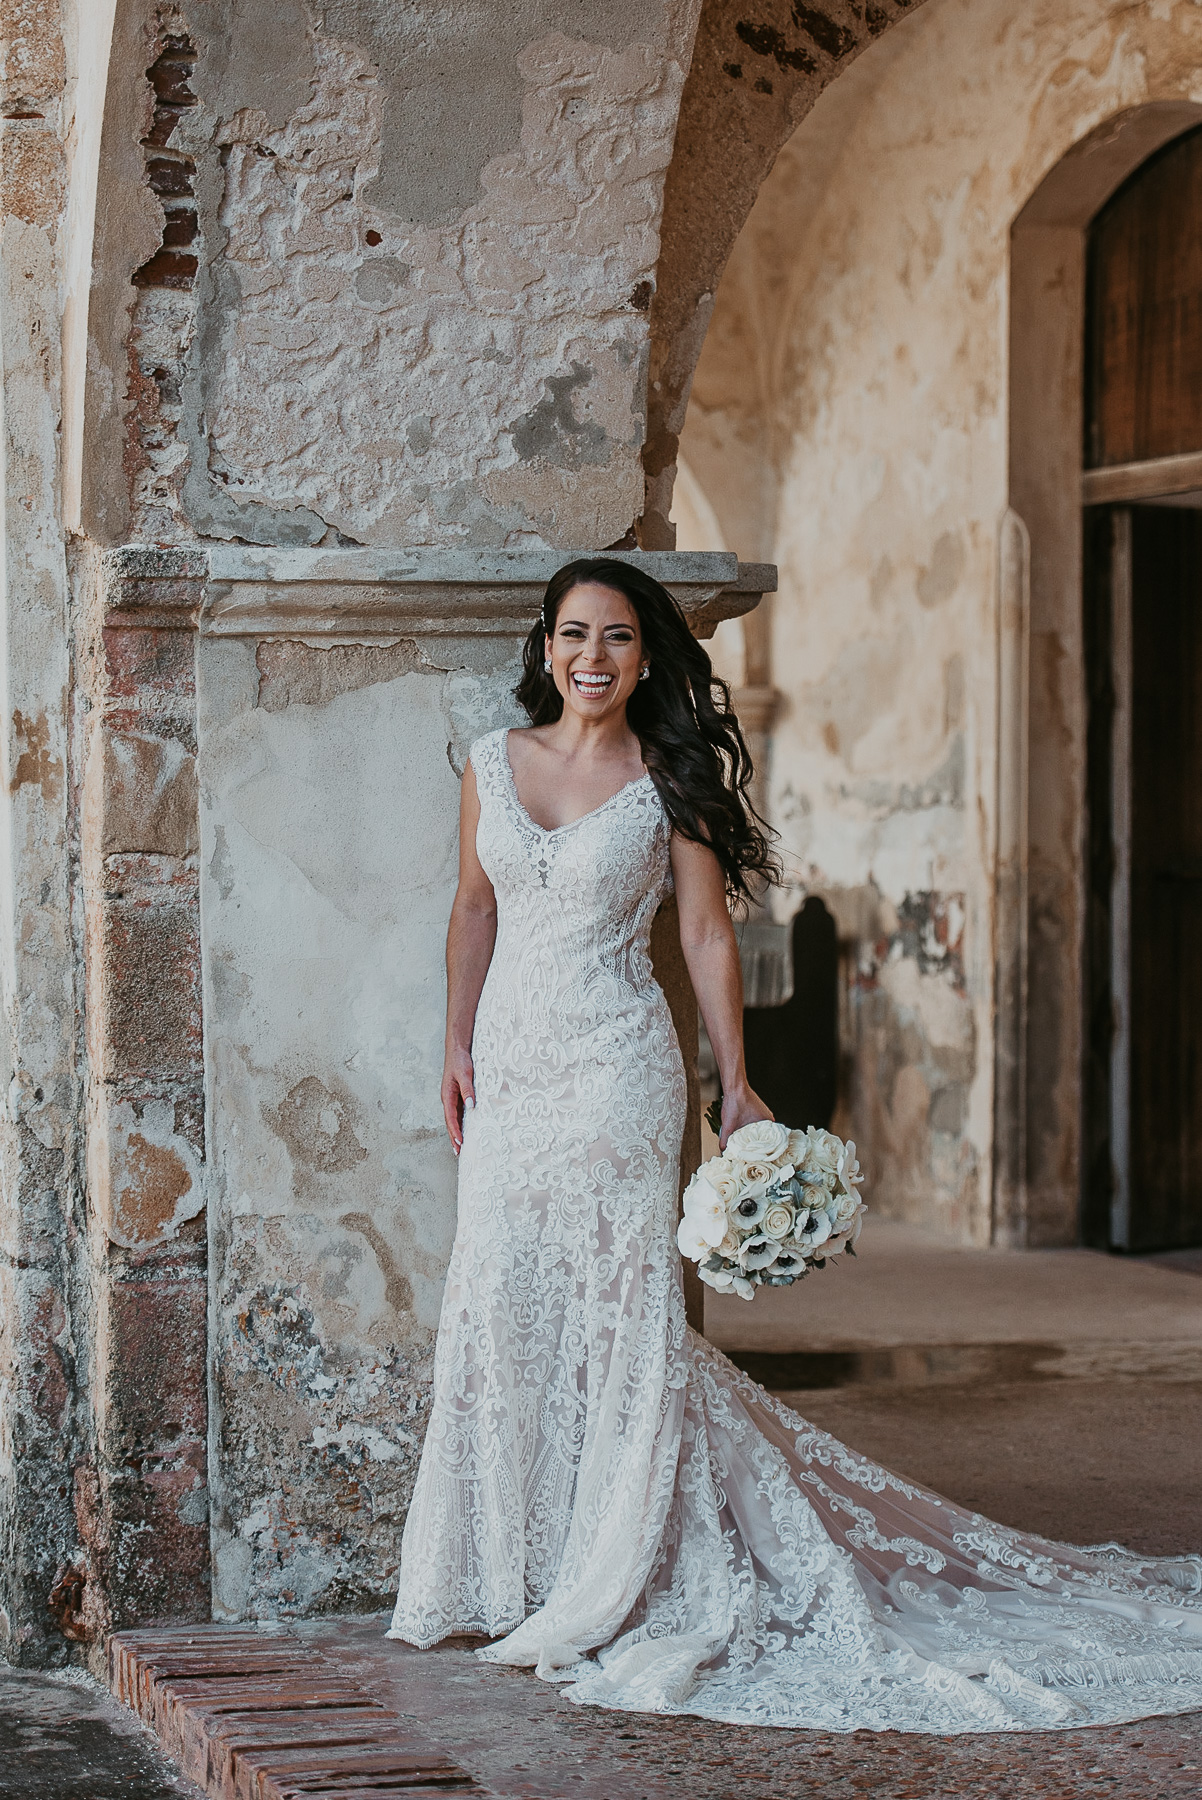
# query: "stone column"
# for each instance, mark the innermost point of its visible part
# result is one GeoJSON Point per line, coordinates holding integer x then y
{"type": "Point", "coordinates": [43, 1303]}
{"type": "Point", "coordinates": [142, 1505]}
{"type": "Point", "coordinates": [334, 697]}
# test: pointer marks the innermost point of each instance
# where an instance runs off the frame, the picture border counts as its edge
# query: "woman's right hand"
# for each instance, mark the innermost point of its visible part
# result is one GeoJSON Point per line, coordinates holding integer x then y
{"type": "Point", "coordinates": [458, 1093]}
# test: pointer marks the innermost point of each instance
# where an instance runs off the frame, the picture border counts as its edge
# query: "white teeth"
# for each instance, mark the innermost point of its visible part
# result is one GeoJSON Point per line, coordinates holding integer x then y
{"type": "Point", "coordinates": [597, 683]}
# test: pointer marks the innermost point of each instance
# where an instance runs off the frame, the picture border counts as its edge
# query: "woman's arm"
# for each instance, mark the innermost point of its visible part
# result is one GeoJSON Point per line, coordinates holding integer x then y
{"type": "Point", "coordinates": [708, 940]}
{"type": "Point", "coordinates": [470, 939]}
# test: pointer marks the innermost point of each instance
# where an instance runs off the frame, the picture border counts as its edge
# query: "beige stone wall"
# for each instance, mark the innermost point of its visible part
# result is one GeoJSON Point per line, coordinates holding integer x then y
{"type": "Point", "coordinates": [407, 296]}
{"type": "Point", "coordinates": [850, 418]}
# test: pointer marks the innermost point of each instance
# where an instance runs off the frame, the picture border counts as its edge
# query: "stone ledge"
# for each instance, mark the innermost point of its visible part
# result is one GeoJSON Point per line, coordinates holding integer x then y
{"type": "Point", "coordinates": [257, 1715]}
{"type": "Point", "coordinates": [243, 590]}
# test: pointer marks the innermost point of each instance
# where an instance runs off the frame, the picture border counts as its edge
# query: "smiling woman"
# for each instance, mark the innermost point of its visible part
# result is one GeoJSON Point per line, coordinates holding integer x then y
{"type": "Point", "coordinates": [595, 1477]}
{"type": "Point", "coordinates": [622, 647]}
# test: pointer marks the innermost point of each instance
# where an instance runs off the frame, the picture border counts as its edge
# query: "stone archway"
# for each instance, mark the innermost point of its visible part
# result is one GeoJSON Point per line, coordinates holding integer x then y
{"type": "Point", "coordinates": [1042, 879]}
{"type": "Point", "coordinates": [754, 75]}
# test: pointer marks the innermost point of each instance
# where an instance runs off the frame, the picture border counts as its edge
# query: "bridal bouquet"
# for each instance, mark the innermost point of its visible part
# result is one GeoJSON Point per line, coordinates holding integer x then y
{"type": "Point", "coordinates": [776, 1204]}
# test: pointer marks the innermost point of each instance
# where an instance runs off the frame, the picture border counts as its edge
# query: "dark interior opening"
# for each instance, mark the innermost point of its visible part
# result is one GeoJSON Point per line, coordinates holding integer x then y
{"type": "Point", "coordinates": [793, 1049]}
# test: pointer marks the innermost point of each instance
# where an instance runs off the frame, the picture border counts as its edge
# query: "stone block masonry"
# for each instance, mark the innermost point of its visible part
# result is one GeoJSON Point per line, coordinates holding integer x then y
{"type": "Point", "coordinates": [142, 1503]}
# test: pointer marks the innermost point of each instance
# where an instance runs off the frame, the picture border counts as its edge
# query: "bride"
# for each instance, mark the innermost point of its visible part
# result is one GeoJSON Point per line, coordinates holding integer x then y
{"type": "Point", "coordinates": [601, 1492]}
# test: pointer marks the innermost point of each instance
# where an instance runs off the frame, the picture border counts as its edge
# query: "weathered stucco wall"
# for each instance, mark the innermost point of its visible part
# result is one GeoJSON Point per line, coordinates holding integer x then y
{"type": "Point", "coordinates": [328, 808]}
{"type": "Point", "coordinates": [44, 1347]}
{"type": "Point", "coordinates": [392, 270]}
{"type": "Point", "coordinates": [332, 741]}
{"type": "Point", "coordinates": [855, 388]}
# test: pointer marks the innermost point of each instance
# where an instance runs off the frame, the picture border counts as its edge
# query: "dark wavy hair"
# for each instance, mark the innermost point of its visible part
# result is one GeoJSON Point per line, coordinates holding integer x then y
{"type": "Point", "coordinates": [681, 715]}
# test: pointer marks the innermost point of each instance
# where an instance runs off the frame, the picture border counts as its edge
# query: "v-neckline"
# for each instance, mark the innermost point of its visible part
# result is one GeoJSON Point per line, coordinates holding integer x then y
{"type": "Point", "coordinates": [554, 830]}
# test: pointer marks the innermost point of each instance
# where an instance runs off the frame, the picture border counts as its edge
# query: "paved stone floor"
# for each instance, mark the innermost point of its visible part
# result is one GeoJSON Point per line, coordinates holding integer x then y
{"type": "Point", "coordinates": [1057, 1391]}
{"type": "Point", "coordinates": [62, 1737]}
{"type": "Point", "coordinates": [524, 1740]}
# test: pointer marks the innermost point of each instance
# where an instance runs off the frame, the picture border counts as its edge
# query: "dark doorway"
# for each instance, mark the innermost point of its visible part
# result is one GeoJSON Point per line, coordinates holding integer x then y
{"type": "Point", "coordinates": [1144, 1079]}
{"type": "Point", "coordinates": [1143, 641]}
{"type": "Point", "coordinates": [792, 1049]}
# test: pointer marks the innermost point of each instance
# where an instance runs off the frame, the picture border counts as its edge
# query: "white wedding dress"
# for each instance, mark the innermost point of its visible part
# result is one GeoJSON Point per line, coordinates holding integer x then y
{"type": "Point", "coordinates": [604, 1488]}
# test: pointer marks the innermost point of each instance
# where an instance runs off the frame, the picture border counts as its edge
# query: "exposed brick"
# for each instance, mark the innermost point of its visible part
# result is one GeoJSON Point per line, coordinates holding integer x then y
{"type": "Point", "coordinates": [142, 662]}
{"type": "Point", "coordinates": [158, 1556]}
{"type": "Point", "coordinates": [257, 1717]}
{"type": "Point", "coordinates": [150, 796]}
{"type": "Point", "coordinates": [151, 976]}
{"type": "Point", "coordinates": [156, 1367]}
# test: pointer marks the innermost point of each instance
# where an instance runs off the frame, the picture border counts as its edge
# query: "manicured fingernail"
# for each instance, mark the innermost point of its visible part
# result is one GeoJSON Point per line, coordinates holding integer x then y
{"type": "Point", "coordinates": [468, 1104]}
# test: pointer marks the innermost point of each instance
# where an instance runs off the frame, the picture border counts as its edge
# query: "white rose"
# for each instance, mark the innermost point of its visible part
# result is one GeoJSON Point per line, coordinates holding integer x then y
{"type": "Point", "coordinates": [724, 1176]}
{"type": "Point", "coordinates": [729, 1246]}
{"type": "Point", "coordinates": [823, 1151]}
{"type": "Point", "coordinates": [777, 1222]}
{"type": "Point", "coordinates": [757, 1177]}
{"type": "Point", "coordinates": [799, 1143]}
{"type": "Point", "coordinates": [765, 1141]}
{"type": "Point", "coordinates": [842, 1209]}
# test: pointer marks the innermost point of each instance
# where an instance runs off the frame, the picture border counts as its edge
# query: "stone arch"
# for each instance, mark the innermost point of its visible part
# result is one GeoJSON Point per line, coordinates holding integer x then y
{"type": "Point", "coordinates": [1041, 895]}
{"type": "Point", "coordinates": [751, 81]}
{"type": "Point", "coordinates": [1002, 302]}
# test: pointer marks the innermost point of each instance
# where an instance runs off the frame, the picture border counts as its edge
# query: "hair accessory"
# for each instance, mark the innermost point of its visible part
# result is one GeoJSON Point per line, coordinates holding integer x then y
{"type": "Point", "coordinates": [645, 671]}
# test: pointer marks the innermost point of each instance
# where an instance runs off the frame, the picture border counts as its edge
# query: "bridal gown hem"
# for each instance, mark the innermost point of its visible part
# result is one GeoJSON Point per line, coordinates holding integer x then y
{"type": "Point", "coordinates": [608, 1497]}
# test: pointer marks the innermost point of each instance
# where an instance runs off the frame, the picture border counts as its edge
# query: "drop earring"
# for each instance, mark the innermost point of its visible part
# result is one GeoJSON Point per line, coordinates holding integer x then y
{"type": "Point", "coordinates": [547, 666]}
{"type": "Point", "coordinates": [646, 670]}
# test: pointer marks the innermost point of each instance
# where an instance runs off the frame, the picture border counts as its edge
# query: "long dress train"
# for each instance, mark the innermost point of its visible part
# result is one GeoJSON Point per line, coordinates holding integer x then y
{"type": "Point", "coordinates": [604, 1488]}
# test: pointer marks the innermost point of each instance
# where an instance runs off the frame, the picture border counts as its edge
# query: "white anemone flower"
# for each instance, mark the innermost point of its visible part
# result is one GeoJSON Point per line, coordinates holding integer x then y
{"type": "Point", "coordinates": [728, 1281]}
{"type": "Point", "coordinates": [747, 1212]}
{"type": "Point", "coordinates": [759, 1252]}
{"type": "Point", "coordinates": [812, 1229]}
{"type": "Point", "coordinates": [791, 1260]}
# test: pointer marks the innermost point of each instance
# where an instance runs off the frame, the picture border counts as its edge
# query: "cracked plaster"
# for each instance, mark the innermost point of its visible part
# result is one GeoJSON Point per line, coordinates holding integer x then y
{"type": "Point", "coordinates": [332, 1205]}
{"type": "Point", "coordinates": [406, 347]}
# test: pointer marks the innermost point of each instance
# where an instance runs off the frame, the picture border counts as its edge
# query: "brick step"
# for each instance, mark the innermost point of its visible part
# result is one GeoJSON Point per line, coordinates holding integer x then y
{"type": "Point", "coordinates": [257, 1715]}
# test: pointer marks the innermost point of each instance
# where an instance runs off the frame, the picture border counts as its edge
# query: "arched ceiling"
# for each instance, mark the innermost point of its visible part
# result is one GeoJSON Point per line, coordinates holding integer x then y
{"type": "Point", "coordinates": [758, 67]}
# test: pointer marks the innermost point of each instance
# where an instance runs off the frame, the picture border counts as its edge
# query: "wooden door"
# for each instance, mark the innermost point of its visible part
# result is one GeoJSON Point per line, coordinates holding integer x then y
{"type": "Point", "coordinates": [1143, 328]}
{"type": "Point", "coordinates": [1142, 1070]}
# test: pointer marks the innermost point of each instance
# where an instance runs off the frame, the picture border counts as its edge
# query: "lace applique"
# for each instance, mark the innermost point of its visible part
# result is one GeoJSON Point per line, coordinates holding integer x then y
{"type": "Point", "coordinates": [595, 1478]}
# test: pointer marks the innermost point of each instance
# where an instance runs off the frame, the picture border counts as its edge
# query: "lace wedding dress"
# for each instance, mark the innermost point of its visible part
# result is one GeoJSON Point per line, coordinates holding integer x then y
{"type": "Point", "coordinates": [602, 1486]}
